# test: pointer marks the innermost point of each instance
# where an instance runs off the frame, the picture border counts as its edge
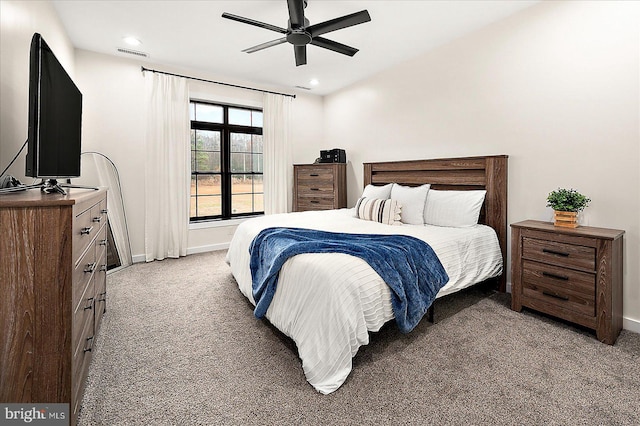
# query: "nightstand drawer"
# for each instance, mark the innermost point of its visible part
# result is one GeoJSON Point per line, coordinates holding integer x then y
{"type": "Point", "coordinates": [561, 254]}
{"type": "Point", "coordinates": [565, 288]}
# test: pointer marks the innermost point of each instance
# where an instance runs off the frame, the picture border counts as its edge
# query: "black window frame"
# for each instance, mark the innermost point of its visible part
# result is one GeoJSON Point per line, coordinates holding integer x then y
{"type": "Point", "coordinates": [225, 173]}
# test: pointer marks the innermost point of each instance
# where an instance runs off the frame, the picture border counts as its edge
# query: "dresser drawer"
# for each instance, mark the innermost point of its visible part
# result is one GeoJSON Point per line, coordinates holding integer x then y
{"type": "Point", "coordinates": [315, 204]}
{"type": "Point", "coordinates": [565, 288]}
{"type": "Point", "coordinates": [561, 254]}
{"type": "Point", "coordinates": [314, 174]}
{"type": "Point", "coordinates": [83, 272]}
{"type": "Point", "coordinates": [83, 316]}
{"type": "Point", "coordinates": [317, 190]}
{"type": "Point", "coordinates": [81, 358]}
{"type": "Point", "coordinates": [83, 233]}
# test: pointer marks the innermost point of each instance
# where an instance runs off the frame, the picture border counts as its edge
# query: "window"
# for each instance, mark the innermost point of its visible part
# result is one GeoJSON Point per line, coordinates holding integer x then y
{"type": "Point", "coordinates": [226, 161]}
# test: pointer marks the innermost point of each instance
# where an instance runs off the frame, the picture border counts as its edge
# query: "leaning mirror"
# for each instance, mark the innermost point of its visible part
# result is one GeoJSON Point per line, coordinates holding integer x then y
{"type": "Point", "coordinates": [98, 170]}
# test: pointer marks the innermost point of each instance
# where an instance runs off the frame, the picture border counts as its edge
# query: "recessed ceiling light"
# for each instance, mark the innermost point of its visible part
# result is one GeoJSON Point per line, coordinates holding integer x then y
{"type": "Point", "coordinates": [314, 82]}
{"type": "Point", "coordinates": [132, 41]}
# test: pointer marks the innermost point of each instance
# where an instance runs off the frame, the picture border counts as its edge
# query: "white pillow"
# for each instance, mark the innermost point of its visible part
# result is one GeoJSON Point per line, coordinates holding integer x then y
{"type": "Point", "coordinates": [453, 208]}
{"type": "Point", "coordinates": [377, 210]}
{"type": "Point", "coordinates": [380, 192]}
{"type": "Point", "coordinates": [412, 200]}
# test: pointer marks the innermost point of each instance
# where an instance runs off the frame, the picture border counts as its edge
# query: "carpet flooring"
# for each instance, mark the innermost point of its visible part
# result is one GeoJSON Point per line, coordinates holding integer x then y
{"type": "Point", "coordinates": [179, 345]}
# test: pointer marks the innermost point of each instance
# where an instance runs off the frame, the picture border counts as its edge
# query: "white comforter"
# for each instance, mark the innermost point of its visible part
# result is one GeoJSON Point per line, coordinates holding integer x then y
{"type": "Point", "coordinates": [328, 302]}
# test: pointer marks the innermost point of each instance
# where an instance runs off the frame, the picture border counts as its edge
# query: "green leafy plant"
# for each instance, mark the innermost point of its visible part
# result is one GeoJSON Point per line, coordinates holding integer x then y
{"type": "Point", "coordinates": [567, 200]}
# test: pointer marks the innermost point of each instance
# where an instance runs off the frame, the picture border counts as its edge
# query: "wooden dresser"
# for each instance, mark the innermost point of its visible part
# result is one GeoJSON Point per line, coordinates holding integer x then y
{"type": "Point", "coordinates": [319, 186]}
{"type": "Point", "coordinates": [570, 273]}
{"type": "Point", "coordinates": [53, 293]}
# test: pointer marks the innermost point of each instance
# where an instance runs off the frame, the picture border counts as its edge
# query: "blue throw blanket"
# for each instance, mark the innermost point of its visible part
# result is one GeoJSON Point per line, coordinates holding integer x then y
{"type": "Point", "coordinates": [409, 266]}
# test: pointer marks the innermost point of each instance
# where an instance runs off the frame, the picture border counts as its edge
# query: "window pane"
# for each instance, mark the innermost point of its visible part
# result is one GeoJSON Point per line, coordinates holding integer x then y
{"type": "Point", "coordinates": [242, 203]}
{"type": "Point", "coordinates": [258, 202]}
{"type": "Point", "coordinates": [193, 212]}
{"type": "Point", "coordinates": [240, 162]}
{"type": "Point", "coordinates": [207, 140]}
{"type": "Point", "coordinates": [256, 163]}
{"type": "Point", "coordinates": [209, 185]}
{"type": "Point", "coordinates": [240, 142]}
{"type": "Point", "coordinates": [193, 139]}
{"type": "Point", "coordinates": [192, 111]}
{"type": "Point", "coordinates": [193, 185]}
{"type": "Point", "coordinates": [209, 113]}
{"type": "Point", "coordinates": [205, 161]}
{"type": "Point", "coordinates": [256, 143]}
{"type": "Point", "coordinates": [210, 205]}
{"type": "Point", "coordinates": [257, 185]}
{"type": "Point", "coordinates": [240, 116]}
{"type": "Point", "coordinates": [241, 184]}
{"type": "Point", "coordinates": [256, 118]}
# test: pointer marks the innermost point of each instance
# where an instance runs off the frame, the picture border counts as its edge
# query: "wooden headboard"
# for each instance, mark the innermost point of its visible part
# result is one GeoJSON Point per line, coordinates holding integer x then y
{"type": "Point", "coordinates": [466, 173]}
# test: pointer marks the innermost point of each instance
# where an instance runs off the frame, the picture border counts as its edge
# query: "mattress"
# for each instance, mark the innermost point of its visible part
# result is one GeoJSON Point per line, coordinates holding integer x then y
{"type": "Point", "coordinates": [329, 302]}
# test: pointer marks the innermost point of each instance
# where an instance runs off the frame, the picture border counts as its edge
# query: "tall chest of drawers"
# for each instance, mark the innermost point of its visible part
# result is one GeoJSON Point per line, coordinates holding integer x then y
{"type": "Point", "coordinates": [319, 186]}
{"type": "Point", "coordinates": [53, 287]}
{"type": "Point", "coordinates": [570, 273]}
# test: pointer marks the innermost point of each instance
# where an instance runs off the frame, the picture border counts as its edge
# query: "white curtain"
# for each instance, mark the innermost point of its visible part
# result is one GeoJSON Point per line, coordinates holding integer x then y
{"type": "Point", "coordinates": [167, 168]}
{"type": "Point", "coordinates": [277, 153]}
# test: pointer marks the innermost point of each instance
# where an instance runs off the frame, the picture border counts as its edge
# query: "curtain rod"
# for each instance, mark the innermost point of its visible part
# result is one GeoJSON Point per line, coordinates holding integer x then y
{"type": "Point", "coordinates": [218, 82]}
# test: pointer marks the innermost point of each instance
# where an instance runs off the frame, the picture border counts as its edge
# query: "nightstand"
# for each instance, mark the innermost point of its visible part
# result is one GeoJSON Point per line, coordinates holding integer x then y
{"type": "Point", "coordinates": [319, 186]}
{"type": "Point", "coordinates": [570, 273]}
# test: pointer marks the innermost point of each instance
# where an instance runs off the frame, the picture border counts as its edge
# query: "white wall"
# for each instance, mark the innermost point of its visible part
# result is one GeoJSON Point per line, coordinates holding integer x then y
{"type": "Point", "coordinates": [113, 124]}
{"type": "Point", "coordinates": [18, 21]}
{"type": "Point", "coordinates": [556, 87]}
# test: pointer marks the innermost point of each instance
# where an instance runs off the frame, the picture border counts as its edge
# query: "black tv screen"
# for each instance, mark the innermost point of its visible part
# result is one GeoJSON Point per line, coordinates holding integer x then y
{"type": "Point", "coordinates": [55, 117]}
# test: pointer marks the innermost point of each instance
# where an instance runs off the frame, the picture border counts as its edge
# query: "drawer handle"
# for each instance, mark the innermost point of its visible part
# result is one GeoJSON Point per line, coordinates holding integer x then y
{"type": "Point", "coordinates": [103, 268]}
{"type": "Point", "coordinates": [314, 175]}
{"type": "Point", "coordinates": [314, 202]}
{"type": "Point", "coordinates": [90, 267]}
{"type": "Point", "coordinates": [86, 230]}
{"type": "Point", "coordinates": [557, 277]}
{"type": "Point", "coordinates": [103, 242]}
{"type": "Point", "coordinates": [97, 219]}
{"type": "Point", "coordinates": [103, 211]}
{"type": "Point", "coordinates": [557, 296]}
{"type": "Point", "coordinates": [103, 297]}
{"type": "Point", "coordinates": [314, 189]}
{"type": "Point", "coordinates": [557, 253]}
{"type": "Point", "coordinates": [90, 340]}
{"type": "Point", "coordinates": [90, 306]}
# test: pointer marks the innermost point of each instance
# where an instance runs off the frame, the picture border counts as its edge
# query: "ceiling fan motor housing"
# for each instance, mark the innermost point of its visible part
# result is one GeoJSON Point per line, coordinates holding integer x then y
{"type": "Point", "coordinates": [301, 33]}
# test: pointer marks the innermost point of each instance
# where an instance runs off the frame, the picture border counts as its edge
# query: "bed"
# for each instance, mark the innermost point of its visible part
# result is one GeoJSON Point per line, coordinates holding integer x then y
{"type": "Point", "coordinates": [329, 302]}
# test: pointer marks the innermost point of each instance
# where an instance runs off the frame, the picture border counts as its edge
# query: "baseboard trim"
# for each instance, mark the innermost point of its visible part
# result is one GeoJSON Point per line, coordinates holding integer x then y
{"type": "Point", "coordinates": [139, 258]}
{"type": "Point", "coordinates": [209, 247]}
{"type": "Point", "coordinates": [631, 325]}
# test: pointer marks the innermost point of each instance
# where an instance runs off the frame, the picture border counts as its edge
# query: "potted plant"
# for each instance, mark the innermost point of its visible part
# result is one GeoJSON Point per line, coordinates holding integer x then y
{"type": "Point", "coordinates": [567, 203]}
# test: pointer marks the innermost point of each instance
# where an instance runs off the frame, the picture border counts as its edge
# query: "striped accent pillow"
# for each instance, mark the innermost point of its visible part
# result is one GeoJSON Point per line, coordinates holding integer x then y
{"type": "Point", "coordinates": [377, 210]}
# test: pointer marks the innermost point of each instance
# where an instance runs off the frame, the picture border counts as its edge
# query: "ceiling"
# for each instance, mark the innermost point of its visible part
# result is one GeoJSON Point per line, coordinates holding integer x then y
{"type": "Point", "coordinates": [193, 35]}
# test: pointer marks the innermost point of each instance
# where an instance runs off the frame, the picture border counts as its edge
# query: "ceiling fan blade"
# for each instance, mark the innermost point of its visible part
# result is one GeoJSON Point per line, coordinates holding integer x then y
{"type": "Point", "coordinates": [334, 45]}
{"type": "Point", "coordinates": [265, 45]}
{"type": "Point", "coordinates": [339, 23]}
{"type": "Point", "coordinates": [296, 13]}
{"type": "Point", "coordinates": [301, 55]}
{"type": "Point", "coordinates": [255, 23]}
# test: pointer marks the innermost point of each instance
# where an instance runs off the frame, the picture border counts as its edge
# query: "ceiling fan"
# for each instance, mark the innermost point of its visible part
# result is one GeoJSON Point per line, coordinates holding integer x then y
{"type": "Point", "coordinates": [300, 33]}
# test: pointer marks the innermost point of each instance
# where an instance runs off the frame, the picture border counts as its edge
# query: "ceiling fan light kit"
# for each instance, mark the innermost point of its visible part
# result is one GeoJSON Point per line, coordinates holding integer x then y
{"type": "Point", "coordinates": [299, 32]}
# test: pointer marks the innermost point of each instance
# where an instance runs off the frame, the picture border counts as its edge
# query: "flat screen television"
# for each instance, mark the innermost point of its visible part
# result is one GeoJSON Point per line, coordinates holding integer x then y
{"type": "Point", "coordinates": [55, 117]}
